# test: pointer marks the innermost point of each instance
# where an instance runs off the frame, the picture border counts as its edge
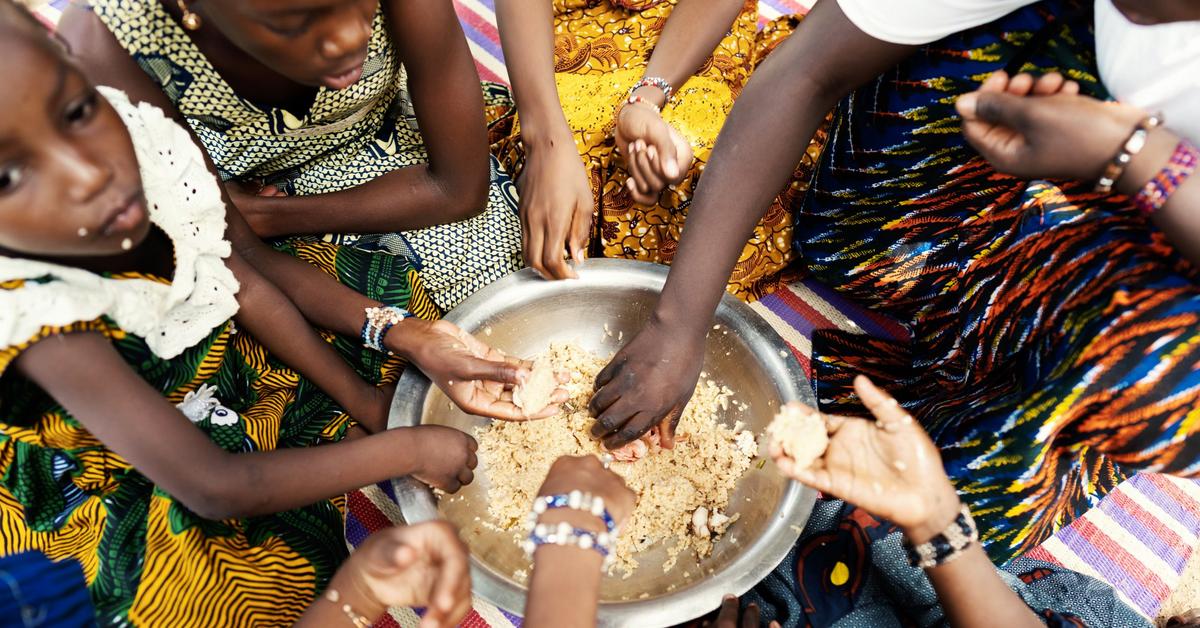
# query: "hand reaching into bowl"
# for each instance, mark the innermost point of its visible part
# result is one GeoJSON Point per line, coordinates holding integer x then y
{"type": "Point", "coordinates": [476, 377]}
{"type": "Point", "coordinates": [564, 589]}
{"type": "Point", "coordinates": [648, 383]}
{"type": "Point", "coordinates": [888, 467]}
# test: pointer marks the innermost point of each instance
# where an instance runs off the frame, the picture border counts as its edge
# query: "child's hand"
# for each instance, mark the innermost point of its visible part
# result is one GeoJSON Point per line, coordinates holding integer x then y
{"type": "Point", "coordinates": [446, 456]}
{"type": "Point", "coordinates": [656, 155]}
{"type": "Point", "coordinates": [587, 474]}
{"type": "Point", "coordinates": [888, 467]}
{"type": "Point", "coordinates": [473, 375]}
{"type": "Point", "coordinates": [557, 205]}
{"type": "Point", "coordinates": [425, 564]}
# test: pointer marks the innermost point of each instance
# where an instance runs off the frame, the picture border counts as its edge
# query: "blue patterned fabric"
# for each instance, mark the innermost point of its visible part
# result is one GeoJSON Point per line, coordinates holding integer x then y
{"type": "Point", "coordinates": [37, 592]}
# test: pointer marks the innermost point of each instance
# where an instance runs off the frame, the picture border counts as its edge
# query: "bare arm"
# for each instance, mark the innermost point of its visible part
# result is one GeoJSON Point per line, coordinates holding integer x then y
{"type": "Point", "coordinates": [123, 411]}
{"type": "Point", "coordinates": [767, 132]}
{"type": "Point", "coordinates": [274, 321]}
{"type": "Point", "coordinates": [757, 151]}
{"type": "Point", "coordinates": [527, 38]}
{"type": "Point", "coordinates": [449, 106]}
{"type": "Point", "coordinates": [448, 101]}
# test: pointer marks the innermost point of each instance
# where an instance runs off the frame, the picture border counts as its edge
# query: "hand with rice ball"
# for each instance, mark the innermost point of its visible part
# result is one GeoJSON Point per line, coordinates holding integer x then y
{"type": "Point", "coordinates": [888, 466]}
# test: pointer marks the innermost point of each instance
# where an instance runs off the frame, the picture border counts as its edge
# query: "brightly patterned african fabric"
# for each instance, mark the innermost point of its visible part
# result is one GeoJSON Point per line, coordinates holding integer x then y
{"type": "Point", "coordinates": [1055, 333]}
{"type": "Point", "coordinates": [148, 559]}
{"type": "Point", "coordinates": [347, 137]}
{"type": "Point", "coordinates": [600, 51]}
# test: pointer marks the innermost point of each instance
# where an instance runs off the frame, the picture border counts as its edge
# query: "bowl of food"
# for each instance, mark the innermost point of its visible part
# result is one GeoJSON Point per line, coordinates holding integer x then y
{"type": "Point", "coordinates": [713, 518]}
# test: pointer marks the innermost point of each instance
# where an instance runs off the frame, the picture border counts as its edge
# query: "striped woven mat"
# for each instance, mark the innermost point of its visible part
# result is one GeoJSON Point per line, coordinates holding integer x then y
{"type": "Point", "coordinates": [1138, 538]}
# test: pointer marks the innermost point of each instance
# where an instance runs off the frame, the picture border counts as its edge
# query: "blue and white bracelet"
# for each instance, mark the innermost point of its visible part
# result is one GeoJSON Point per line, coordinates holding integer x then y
{"type": "Point", "coordinates": [564, 534]}
{"type": "Point", "coordinates": [575, 500]}
{"type": "Point", "coordinates": [379, 321]}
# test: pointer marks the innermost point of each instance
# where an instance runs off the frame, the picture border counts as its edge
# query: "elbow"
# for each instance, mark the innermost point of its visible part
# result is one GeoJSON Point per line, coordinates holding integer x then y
{"type": "Point", "coordinates": [469, 199]}
{"type": "Point", "coordinates": [212, 503]}
{"type": "Point", "coordinates": [217, 497]}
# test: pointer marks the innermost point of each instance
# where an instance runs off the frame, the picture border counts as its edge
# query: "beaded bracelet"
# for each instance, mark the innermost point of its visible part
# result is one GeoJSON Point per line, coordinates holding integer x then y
{"type": "Point", "coordinates": [564, 534]}
{"type": "Point", "coordinates": [633, 99]}
{"type": "Point", "coordinates": [575, 500]}
{"type": "Point", "coordinates": [359, 621]}
{"type": "Point", "coordinates": [1155, 193]}
{"type": "Point", "coordinates": [1132, 146]}
{"type": "Point", "coordinates": [654, 81]}
{"type": "Point", "coordinates": [379, 321]}
{"type": "Point", "coordinates": [947, 545]}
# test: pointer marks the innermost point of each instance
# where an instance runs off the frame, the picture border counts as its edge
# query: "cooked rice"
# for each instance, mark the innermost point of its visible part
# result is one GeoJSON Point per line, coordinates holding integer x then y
{"type": "Point", "coordinates": [701, 471]}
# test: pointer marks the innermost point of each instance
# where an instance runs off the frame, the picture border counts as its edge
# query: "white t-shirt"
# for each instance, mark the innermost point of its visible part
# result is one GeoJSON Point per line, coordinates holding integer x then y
{"type": "Point", "coordinates": [1156, 68]}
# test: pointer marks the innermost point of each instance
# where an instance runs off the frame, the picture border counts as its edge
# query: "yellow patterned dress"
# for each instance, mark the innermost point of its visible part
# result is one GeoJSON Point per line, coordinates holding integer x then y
{"type": "Point", "coordinates": [601, 48]}
{"type": "Point", "coordinates": [148, 560]}
{"type": "Point", "coordinates": [348, 137]}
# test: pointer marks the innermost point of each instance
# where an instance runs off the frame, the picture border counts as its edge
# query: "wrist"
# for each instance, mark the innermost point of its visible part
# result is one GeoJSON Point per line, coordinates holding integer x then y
{"type": "Point", "coordinates": [577, 518]}
{"type": "Point", "coordinates": [545, 134]}
{"type": "Point", "coordinates": [940, 514]}
{"type": "Point", "coordinates": [651, 94]}
{"type": "Point", "coordinates": [347, 591]}
{"type": "Point", "coordinates": [1160, 143]}
{"type": "Point", "coordinates": [406, 337]}
{"type": "Point", "coordinates": [689, 327]}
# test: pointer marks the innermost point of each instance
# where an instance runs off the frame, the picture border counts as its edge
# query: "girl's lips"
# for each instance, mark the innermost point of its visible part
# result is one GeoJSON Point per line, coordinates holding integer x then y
{"type": "Point", "coordinates": [126, 218]}
{"type": "Point", "coordinates": [343, 80]}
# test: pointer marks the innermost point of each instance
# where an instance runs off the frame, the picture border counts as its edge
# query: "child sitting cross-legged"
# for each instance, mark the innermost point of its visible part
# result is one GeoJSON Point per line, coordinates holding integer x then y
{"type": "Point", "coordinates": [190, 465]}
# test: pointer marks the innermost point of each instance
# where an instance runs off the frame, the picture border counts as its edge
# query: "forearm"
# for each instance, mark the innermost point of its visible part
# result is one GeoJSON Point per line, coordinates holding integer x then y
{"type": "Point", "coordinates": [753, 160]}
{"type": "Point", "coordinates": [527, 37]}
{"type": "Point", "coordinates": [973, 594]}
{"type": "Point", "coordinates": [134, 421]}
{"type": "Point", "coordinates": [415, 197]}
{"type": "Point", "coordinates": [693, 31]}
{"type": "Point", "coordinates": [756, 153]}
{"type": "Point", "coordinates": [274, 321]}
{"type": "Point", "coordinates": [303, 476]}
{"type": "Point", "coordinates": [564, 589]}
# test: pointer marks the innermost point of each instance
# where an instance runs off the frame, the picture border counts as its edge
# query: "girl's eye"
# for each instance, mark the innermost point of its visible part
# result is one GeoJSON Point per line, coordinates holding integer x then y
{"type": "Point", "coordinates": [81, 110]}
{"type": "Point", "coordinates": [294, 29]}
{"type": "Point", "coordinates": [10, 178]}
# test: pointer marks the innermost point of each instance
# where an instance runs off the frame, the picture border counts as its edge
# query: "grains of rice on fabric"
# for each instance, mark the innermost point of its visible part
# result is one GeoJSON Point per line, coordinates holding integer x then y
{"type": "Point", "coordinates": [700, 472]}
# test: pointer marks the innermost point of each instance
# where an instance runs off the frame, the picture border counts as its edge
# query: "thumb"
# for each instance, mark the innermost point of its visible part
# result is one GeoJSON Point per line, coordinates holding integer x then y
{"type": "Point", "coordinates": [995, 108]}
{"type": "Point", "coordinates": [473, 368]}
{"type": "Point", "coordinates": [666, 161]}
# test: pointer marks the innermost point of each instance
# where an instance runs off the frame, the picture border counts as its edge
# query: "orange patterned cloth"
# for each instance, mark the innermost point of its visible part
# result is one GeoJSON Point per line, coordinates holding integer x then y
{"type": "Point", "coordinates": [600, 50]}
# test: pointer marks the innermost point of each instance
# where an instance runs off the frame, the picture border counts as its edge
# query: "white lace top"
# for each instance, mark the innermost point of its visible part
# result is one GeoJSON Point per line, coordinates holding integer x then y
{"type": "Point", "coordinates": [184, 200]}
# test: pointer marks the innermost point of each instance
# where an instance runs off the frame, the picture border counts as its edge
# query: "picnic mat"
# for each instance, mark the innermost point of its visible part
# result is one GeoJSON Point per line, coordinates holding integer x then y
{"type": "Point", "coordinates": [1138, 539]}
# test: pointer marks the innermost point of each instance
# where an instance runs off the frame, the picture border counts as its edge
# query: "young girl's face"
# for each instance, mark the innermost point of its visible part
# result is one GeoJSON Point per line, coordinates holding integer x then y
{"type": "Point", "coordinates": [69, 181]}
{"type": "Point", "coordinates": [312, 42]}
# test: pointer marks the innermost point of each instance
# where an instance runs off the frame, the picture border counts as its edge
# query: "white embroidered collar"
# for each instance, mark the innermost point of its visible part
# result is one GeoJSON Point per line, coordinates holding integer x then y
{"type": "Point", "coordinates": [184, 200]}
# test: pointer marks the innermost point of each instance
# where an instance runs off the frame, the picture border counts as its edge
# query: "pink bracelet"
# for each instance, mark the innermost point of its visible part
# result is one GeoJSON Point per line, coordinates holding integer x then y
{"type": "Point", "coordinates": [1155, 193]}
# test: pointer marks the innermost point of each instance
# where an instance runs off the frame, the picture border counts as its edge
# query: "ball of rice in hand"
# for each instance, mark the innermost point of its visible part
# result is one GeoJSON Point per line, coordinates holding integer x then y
{"type": "Point", "coordinates": [800, 433]}
{"type": "Point", "coordinates": [536, 393]}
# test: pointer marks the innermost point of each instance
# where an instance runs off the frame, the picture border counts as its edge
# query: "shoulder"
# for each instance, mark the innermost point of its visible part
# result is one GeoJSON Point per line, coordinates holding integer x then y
{"type": "Point", "coordinates": [919, 22]}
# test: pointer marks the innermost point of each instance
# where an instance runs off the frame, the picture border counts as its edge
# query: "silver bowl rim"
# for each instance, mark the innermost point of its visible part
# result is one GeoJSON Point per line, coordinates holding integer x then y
{"type": "Point", "coordinates": [417, 502]}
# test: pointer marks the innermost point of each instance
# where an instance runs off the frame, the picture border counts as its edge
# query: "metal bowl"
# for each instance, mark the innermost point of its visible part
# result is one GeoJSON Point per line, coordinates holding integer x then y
{"type": "Point", "coordinates": [522, 314]}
